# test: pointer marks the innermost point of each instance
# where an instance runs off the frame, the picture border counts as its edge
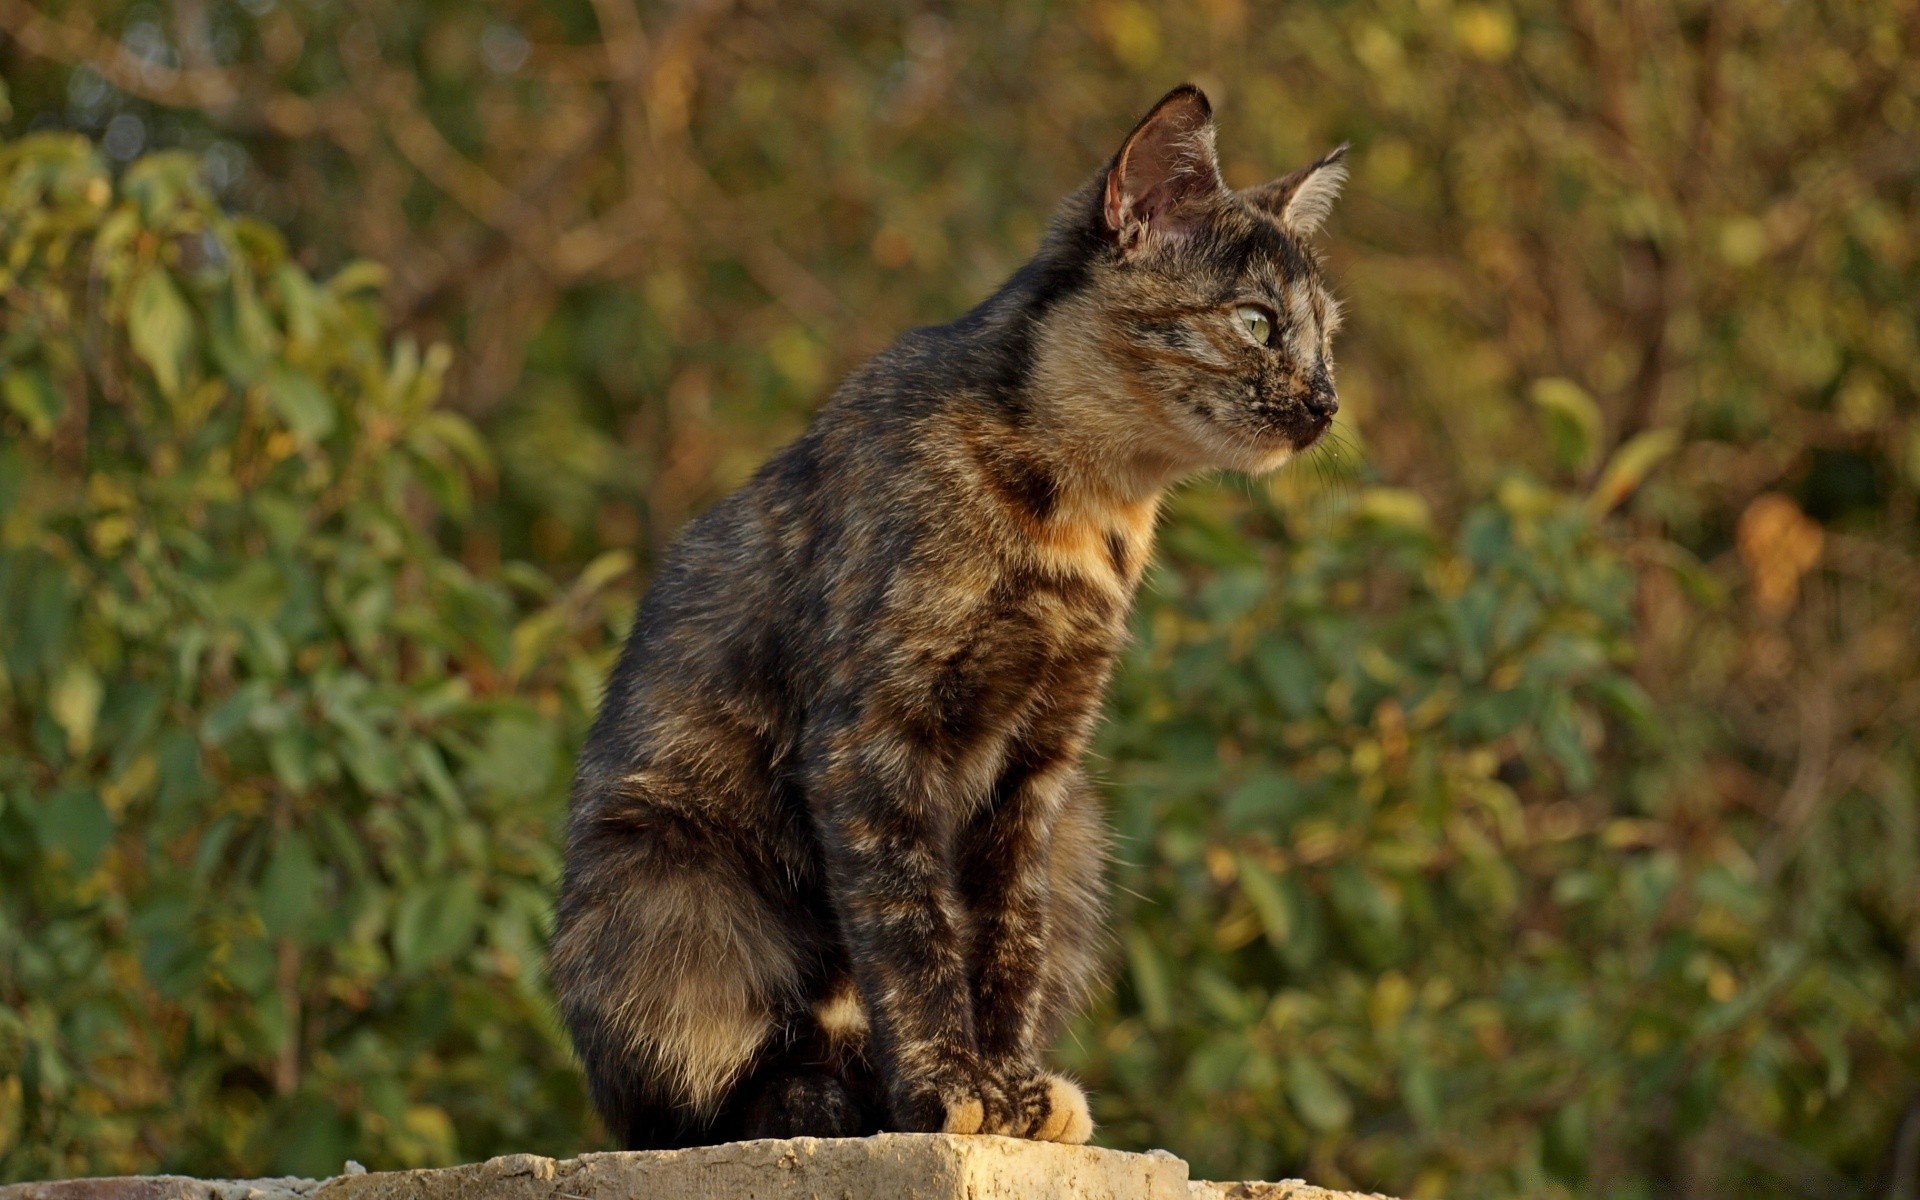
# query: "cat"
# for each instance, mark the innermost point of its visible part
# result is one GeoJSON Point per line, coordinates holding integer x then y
{"type": "Point", "coordinates": [832, 865]}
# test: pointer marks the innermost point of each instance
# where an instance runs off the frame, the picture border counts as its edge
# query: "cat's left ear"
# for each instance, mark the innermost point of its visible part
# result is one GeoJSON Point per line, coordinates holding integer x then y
{"type": "Point", "coordinates": [1302, 200]}
{"type": "Point", "coordinates": [1165, 170]}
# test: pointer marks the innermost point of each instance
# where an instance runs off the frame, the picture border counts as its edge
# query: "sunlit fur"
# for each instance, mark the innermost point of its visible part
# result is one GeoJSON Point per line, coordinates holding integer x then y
{"type": "Point", "coordinates": [833, 865]}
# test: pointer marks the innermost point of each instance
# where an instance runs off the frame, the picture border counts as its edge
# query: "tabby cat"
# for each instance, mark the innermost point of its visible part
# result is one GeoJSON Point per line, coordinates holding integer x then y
{"type": "Point", "coordinates": [832, 865]}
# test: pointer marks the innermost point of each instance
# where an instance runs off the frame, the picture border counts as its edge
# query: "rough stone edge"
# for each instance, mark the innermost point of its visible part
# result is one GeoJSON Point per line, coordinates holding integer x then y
{"type": "Point", "coordinates": [924, 1164]}
{"type": "Point", "coordinates": [164, 1187]}
{"type": "Point", "coordinates": [1282, 1189]}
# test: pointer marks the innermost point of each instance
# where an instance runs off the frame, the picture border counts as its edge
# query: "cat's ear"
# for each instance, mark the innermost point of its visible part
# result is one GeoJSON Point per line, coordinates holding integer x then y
{"type": "Point", "coordinates": [1302, 200]}
{"type": "Point", "coordinates": [1166, 164]}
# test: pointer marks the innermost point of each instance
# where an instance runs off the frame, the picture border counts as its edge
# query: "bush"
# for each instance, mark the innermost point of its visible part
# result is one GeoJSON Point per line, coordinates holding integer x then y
{"type": "Point", "coordinates": [1419, 891]}
{"type": "Point", "coordinates": [1383, 923]}
{"type": "Point", "coordinates": [279, 774]}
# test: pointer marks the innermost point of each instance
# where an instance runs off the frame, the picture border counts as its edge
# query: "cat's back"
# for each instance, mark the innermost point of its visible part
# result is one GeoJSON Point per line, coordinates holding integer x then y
{"type": "Point", "coordinates": [765, 590]}
{"type": "Point", "coordinates": [887, 475]}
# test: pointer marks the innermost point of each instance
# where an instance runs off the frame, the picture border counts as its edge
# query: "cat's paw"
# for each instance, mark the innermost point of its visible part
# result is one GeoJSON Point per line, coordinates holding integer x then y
{"type": "Point", "coordinates": [959, 1100]}
{"type": "Point", "coordinates": [963, 1114]}
{"type": "Point", "coordinates": [1047, 1108]}
{"type": "Point", "coordinates": [1068, 1119]}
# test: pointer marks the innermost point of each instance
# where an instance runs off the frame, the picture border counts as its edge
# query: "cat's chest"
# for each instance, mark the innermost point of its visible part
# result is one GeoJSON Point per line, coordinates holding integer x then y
{"type": "Point", "coordinates": [1066, 591]}
{"type": "Point", "coordinates": [1103, 547]}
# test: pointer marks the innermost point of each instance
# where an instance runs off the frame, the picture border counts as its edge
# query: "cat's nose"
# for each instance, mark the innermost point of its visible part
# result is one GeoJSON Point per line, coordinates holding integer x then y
{"type": "Point", "coordinates": [1321, 401]}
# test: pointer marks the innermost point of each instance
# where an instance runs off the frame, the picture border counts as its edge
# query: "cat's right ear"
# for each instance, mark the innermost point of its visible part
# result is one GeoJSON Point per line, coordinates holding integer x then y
{"type": "Point", "coordinates": [1164, 168]}
{"type": "Point", "coordinates": [1302, 200]}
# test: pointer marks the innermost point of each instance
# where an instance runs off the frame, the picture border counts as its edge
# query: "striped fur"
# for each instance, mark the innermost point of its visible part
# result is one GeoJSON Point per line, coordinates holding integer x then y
{"type": "Point", "coordinates": [833, 865]}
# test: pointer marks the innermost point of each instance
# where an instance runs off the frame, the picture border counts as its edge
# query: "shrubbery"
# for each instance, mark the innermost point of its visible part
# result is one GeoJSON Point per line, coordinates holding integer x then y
{"type": "Point", "coordinates": [277, 772]}
{"type": "Point", "coordinates": [1383, 919]}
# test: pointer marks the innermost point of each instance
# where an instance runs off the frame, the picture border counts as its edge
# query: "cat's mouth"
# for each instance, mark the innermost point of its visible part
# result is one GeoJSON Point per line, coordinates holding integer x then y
{"type": "Point", "coordinates": [1294, 415]}
{"type": "Point", "coordinates": [1298, 425]}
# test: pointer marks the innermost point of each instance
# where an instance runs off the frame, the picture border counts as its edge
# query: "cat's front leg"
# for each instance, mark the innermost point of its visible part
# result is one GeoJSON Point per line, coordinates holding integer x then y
{"type": "Point", "coordinates": [887, 844]}
{"type": "Point", "coordinates": [1006, 874]}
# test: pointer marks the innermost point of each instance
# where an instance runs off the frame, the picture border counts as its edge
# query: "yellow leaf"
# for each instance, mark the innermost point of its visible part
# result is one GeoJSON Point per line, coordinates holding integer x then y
{"type": "Point", "coordinates": [1629, 467]}
{"type": "Point", "coordinates": [531, 639]}
{"type": "Point", "coordinates": [1391, 998]}
{"type": "Point", "coordinates": [798, 356]}
{"type": "Point", "coordinates": [603, 570]}
{"type": "Point", "coordinates": [1400, 507]}
{"type": "Point", "coordinates": [75, 705]}
{"type": "Point", "coordinates": [1133, 32]}
{"type": "Point", "coordinates": [1743, 241]}
{"type": "Point", "coordinates": [428, 1135]}
{"type": "Point", "coordinates": [1486, 31]}
{"type": "Point", "coordinates": [1575, 416]}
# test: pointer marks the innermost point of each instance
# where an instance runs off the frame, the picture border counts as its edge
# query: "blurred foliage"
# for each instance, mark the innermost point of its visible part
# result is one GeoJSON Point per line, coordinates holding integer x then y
{"type": "Point", "coordinates": [276, 773]}
{"type": "Point", "coordinates": [1519, 799]}
{"type": "Point", "coordinates": [1416, 896]}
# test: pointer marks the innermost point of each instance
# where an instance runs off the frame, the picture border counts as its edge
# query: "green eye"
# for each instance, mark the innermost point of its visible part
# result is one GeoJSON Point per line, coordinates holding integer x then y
{"type": "Point", "coordinates": [1257, 321]}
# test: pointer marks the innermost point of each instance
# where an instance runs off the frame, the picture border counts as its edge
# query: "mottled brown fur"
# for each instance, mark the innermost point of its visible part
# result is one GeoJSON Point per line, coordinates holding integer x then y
{"type": "Point", "coordinates": [833, 865]}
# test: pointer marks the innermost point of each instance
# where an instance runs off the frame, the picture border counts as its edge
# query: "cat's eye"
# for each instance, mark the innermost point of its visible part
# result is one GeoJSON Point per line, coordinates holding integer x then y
{"type": "Point", "coordinates": [1257, 321]}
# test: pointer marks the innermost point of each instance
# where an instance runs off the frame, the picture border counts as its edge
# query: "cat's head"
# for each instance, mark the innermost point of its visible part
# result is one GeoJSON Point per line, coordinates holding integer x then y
{"type": "Point", "coordinates": [1204, 305]}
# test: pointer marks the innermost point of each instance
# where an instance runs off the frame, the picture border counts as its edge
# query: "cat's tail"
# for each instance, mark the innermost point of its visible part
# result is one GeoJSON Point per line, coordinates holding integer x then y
{"type": "Point", "coordinates": [668, 971]}
{"type": "Point", "coordinates": [682, 988]}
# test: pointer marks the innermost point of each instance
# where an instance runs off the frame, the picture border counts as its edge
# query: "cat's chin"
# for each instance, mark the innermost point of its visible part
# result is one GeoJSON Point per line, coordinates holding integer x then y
{"type": "Point", "coordinates": [1271, 452]}
{"type": "Point", "coordinates": [1273, 460]}
{"type": "Point", "coordinates": [1250, 460]}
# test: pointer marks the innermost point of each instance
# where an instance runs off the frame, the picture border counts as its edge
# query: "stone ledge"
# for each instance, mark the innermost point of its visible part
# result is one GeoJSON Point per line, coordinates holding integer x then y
{"type": "Point", "coordinates": [890, 1166]}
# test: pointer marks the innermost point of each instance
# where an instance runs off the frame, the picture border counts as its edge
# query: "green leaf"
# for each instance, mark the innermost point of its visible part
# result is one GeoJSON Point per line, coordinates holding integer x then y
{"type": "Point", "coordinates": [372, 760]}
{"type": "Point", "coordinates": [1420, 1091]}
{"type": "Point", "coordinates": [434, 921]}
{"type": "Point", "coordinates": [162, 184]}
{"type": "Point", "coordinates": [1560, 735]}
{"type": "Point", "coordinates": [30, 393]}
{"type": "Point", "coordinates": [239, 711]}
{"type": "Point", "coordinates": [1370, 913]}
{"type": "Point", "coordinates": [1218, 993]}
{"type": "Point", "coordinates": [1150, 982]}
{"type": "Point", "coordinates": [1267, 800]}
{"type": "Point", "coordinates": [1316, 1095]}
{"type": "Point", "coordinates": [240, 335]}
{"type": "Point", "coordinates": [1287, 672]}
{"type": "Point", "coordinates": [368, 752]}
{"type": "Point", "coordinates": [439, 432]}
{"type": "Point", "coordinates": [300, 402]}
{"type": "Point", "coordinates": [517, 757]}
{"type": "Point", "coordinates": [254, 592]}
{"type": "Point", "coordinates": [299, 302]}
{"type": "Point", "coordinates": [74, 821]}
{"type": "Point", "coordinates": [182, 781]}
{"type": "Point", "coordinates": [290, 888]}
{"type": "Point", "coordinates": [1216, 1063]}
{"type": "Point", "coordinates": [160, 326]}
{"type": "Point", "coordinates": [430, 768]}
{"type": "Point", "coordinates": [1262, 890]}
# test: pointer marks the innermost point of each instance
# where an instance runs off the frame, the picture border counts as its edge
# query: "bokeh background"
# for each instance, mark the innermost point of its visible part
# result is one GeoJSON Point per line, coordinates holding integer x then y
{"type": "Point", "coordinates": [1520, 798]}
